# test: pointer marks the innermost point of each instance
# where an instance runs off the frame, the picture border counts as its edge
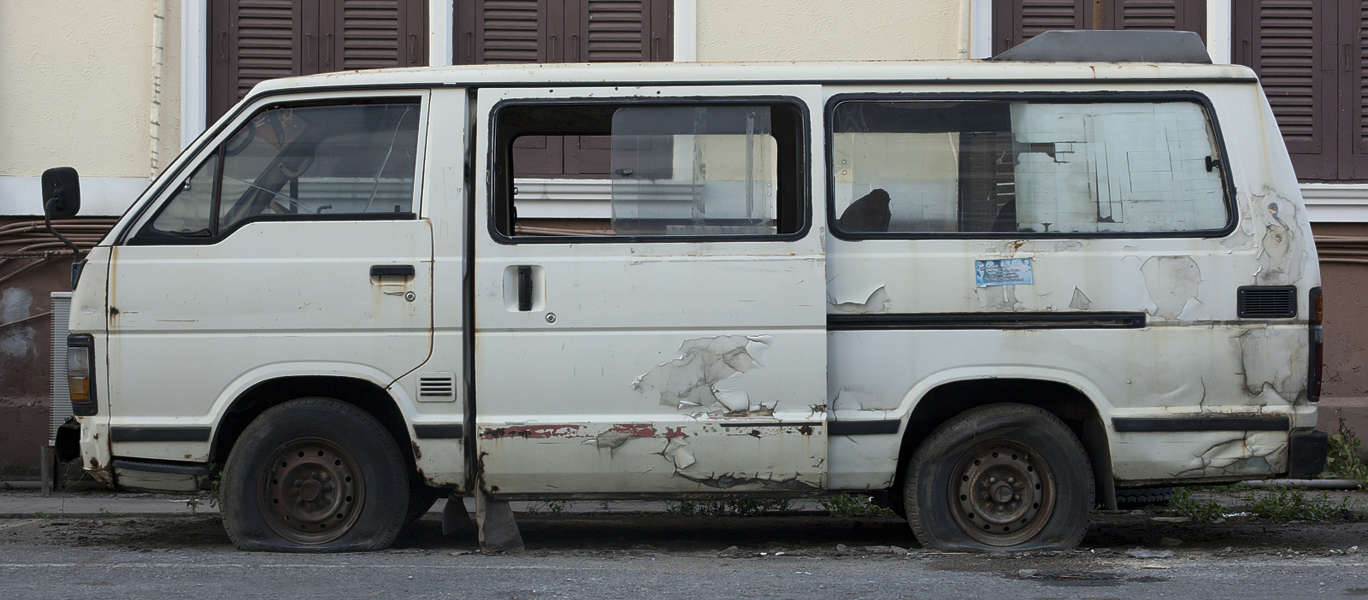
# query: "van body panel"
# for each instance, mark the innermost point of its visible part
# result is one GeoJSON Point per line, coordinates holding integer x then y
{"type": "Point", "coordinates": [688, 366]}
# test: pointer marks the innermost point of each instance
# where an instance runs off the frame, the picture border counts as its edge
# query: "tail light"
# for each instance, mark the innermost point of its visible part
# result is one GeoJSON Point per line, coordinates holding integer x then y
{"type": "Point", "coordinates": [81, 374]}
{"type": "Point", "coordinates": [1316, 345]}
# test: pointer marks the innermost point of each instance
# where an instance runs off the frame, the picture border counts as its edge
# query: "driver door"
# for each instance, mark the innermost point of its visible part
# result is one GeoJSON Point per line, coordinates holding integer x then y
{"type": "Point", "coordinates": [289, 246]}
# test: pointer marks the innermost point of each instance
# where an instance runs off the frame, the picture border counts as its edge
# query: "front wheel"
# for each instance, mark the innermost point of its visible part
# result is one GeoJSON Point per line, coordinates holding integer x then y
{"type": "Point", "coordinates": [314, 475]}
{"type": "Point", "coordinates": [1000, 477]}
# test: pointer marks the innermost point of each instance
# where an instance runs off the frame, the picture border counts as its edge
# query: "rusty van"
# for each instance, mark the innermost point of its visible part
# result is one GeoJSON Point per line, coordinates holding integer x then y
{"type": "Point", "coordinates": [996, 292]}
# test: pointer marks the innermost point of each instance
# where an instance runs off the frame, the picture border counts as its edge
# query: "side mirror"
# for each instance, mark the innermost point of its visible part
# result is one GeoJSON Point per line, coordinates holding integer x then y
{"type": "Point", "coordinates": [61, 193]}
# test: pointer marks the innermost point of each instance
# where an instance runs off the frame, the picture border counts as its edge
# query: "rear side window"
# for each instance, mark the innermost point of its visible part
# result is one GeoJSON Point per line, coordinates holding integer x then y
{"type": "Point", "coordinates": [1024, 168]}
{"type": "Point", "coordinates": [660, 170]}
{"type": "Point", "coordinates": [352, 161]}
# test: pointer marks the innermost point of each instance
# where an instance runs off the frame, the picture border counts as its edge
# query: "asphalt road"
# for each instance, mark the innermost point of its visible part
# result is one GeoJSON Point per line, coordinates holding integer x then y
{"type": "Point", "coordinates": [661, 557]}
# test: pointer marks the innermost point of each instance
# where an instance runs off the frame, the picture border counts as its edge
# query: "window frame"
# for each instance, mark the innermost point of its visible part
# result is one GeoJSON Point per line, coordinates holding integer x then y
{"type": "Point", "coordinates": [1227, 178]}
{"type": "Point", "coordinates": [141, 232]}
{"type": "Point", "coordinates": [499, 186]}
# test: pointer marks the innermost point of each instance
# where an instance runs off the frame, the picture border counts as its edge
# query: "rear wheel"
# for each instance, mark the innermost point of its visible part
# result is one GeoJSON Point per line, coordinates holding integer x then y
{"type": "Point", "coordinates": [314, 475]}
{"type": "Point", "coordinates": [1000, 477]}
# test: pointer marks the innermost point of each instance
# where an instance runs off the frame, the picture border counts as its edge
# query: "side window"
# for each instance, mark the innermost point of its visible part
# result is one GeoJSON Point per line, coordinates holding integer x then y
{"type": "Point", "coordinates": [189, 212]}
{"type": "Point", "coordinates": [674, 171]}
{"type": "Point", "coordinates": [299, 163]}
{"type": "Point", "coordinates": [1025, 167]}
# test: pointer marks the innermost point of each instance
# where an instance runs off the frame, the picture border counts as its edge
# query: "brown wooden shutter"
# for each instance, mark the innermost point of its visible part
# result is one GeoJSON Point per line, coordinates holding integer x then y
{"type": "Point", "coordinates": [1290, 44]}
{"type": "Point", "coordinates": [251, 41]}
{"type": "Point", "coordinates": [501, 31]}
{"type": "Point", "coordinates": [1172, 15]}
{"type": "Point", "coordinates": [371, 34]}
{"type": "Point", "coordinates": [1015, 21]}
{"type": "Point", "coordinates": [255, 40]}
{"type": "Point", "coordinates": [1353, 84]}
{"type": "Point", "coordinates": [523, 31]}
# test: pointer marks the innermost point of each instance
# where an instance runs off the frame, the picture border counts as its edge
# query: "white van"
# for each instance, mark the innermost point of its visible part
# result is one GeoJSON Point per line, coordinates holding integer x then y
{"type": "Point", "coordinates": [996, 290]}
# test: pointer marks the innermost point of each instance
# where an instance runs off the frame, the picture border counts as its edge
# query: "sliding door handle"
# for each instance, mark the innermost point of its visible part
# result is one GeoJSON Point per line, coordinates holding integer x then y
{"type": "Point", "coordinates": [524, 288]}
{"type": "Point", "coordinates": [392, 271]}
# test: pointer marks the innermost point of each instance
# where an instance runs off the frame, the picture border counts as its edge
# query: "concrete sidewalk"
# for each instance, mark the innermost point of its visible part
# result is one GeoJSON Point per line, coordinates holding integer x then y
{"type": "Point", "coordinates": [14, 504]}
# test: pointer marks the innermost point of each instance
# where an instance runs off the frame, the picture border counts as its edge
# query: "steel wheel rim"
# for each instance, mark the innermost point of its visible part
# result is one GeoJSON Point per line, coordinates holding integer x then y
{"type": "Point", "coordinates": [1001, 493]}
{"type": "Point", "coordinates": [311, 492]}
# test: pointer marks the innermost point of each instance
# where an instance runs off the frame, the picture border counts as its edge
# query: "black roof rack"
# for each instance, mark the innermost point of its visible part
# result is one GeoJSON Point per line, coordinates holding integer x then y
{"type": "Point", "coordinates": [1110, 46]}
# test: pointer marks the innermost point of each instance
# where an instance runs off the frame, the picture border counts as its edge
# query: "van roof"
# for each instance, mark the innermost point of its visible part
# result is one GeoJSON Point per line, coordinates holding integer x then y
{"type": "Point", "coordinates": [787, 72]}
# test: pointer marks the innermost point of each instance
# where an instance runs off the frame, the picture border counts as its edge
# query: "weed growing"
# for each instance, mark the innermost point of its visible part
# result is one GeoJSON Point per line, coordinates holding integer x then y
{"type": "Point", "coordinates": [1343, 459]}
{"type": "Point", "coordinates": [1282, 504]}
{"type": "Point", "coordinates": [850, 505]}
{"type": "Point", "coordinates": [733, 507]}
{"type": "Point", "coordinates": [1183, 504]}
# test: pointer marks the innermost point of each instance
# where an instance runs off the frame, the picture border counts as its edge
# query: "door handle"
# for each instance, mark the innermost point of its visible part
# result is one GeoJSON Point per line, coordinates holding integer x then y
{"type": "Point", "coordinates": [392, 271]}
{"type": "Point", "coordinates": [524, 288]}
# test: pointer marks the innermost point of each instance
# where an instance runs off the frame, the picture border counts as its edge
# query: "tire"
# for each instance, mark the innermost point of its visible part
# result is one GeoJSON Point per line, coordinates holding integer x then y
{"type": "Point", "coordinates": [1000, 477]}
{"type": "Point", "coordinates": [421, 499]}
{"type": "Point", "coordinates": [1137, 497]}
{"type": "Point", "coordinates": [314, 475]}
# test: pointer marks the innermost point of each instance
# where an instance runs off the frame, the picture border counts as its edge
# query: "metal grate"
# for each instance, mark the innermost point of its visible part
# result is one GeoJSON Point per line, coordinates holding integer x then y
{"type": "Point", "coordinates": [1267, 302]}
{"type": "Point", "coordinates": [436, 388]}
{"type": "Point", "coordinates": [61, 400]}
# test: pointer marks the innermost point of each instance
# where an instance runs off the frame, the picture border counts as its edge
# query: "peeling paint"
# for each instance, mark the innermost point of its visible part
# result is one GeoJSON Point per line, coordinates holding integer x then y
{"type": "Point", "coordinates": [1172, 282]}
{"type": "Point", "coordinates": [621, 434]}
{"type": "Point", "coordinates": [731, 480]}
{"type": "Point", "coordinates": [1250, 453]}
{"type": "Point", "coordinates": [1273, 359]}
{"type": "Point", "coordinates": [702, 378]}
{"type": "Point", "coordinates": [874, 301]}
{"type": "Point", "coordinates": [1080, 300]}
{"type": "Point", "coordinates": [1001, 298]}
{"type": "Point", "coordinates": [530, 431]}
{"type": "Point", "coordinates": [1281, 253]}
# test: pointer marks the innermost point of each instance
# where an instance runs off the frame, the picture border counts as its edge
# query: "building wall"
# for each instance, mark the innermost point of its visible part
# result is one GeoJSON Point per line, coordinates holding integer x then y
{"type": "Point", "coordinates": [852, 29]}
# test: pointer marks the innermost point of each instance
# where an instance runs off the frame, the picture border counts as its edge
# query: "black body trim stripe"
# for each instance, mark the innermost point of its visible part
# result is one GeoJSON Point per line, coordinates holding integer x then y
{"type": "Point", "coordinates": [776, 424]}
{"type": "Point", "coordinates": [863, 427]}
{"type": "Point", "coordinates": [1170, 424]}
{"type": "Point", "coordinates": [149, 466]}
{"type": "Point", "coordinates": [159, 434]}
{"type": "Point", "coordinates": [453, 431]}
{"type": "Point", "coordinates": [1017, 320]}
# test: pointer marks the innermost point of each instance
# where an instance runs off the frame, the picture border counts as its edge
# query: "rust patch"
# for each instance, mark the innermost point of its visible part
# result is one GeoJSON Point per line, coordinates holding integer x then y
{"type": "Point", "coordinates": [417, 454]}
{"type": "Point", "coordinates": [805, 430]}
{"type": "Point", "coordinates": [675, 432]}
{"type": "Point", "coordinates": [529, 431]}
{"type": "Point", "coordinates": [636, 429]}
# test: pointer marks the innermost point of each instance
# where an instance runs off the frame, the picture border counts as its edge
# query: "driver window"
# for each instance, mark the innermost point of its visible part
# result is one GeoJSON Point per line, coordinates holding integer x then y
{"type": "Point", "coordinates": [321, 161]}
{"type": "Point", "coordinates": [352, 161]}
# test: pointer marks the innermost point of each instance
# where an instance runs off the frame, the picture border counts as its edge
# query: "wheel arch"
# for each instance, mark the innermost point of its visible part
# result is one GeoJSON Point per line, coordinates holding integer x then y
{"type": "Point", "coordinates": [1075, 401]}
{"type": "Point", "coordinates": [359, 391]}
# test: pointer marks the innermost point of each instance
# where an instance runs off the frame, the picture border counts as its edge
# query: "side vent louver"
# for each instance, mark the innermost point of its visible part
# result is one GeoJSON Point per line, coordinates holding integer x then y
{"type": "Point", "coordinates": [437, 388]}
{"type": "Point", "coordinates": [1267, 302]}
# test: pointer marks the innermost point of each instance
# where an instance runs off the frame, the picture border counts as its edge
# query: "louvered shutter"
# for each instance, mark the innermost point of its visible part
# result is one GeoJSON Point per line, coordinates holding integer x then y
{"type": "Point", "coordinates": [1172, 15]}
{"type": "Point", "coordinates": [1015, 21]}
{"type": "Point", "coordinates": [252, 40]}
{"type": "Point", "coordinates": [501, 31]}
{"type": "Point", "coordinates": [625, 30]}
{"type": "Point", "coordinates": [255, 40]}
{"type": "Point", "coordinates": [1290, 44]}
{"type": "Point", "coordinates": [1353, 84]}
{"type": "Point", "coordinates": [371, 34]}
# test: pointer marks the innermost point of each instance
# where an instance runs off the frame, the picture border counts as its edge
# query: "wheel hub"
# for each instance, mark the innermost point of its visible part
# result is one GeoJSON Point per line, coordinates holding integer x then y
{"type": "Point", "coordinates": [1001, 493]}
{"type": "Point", "coordinates": [312, 491]}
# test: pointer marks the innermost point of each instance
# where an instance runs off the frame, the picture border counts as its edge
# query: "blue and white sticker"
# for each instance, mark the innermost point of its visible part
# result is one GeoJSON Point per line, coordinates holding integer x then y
{"type": "Point", "coordinates": [1003, 271]}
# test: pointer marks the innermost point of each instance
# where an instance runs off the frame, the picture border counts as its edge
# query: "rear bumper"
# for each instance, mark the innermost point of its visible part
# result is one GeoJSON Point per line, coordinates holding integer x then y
{"type": "Point", "coordinates": [1306, 450]}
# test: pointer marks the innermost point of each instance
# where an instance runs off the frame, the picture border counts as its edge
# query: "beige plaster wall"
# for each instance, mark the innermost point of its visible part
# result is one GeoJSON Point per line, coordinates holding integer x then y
{"type": "Point", "coordinates": [830, 29]}
{"type": "Point", "coordinates": [77, 86]}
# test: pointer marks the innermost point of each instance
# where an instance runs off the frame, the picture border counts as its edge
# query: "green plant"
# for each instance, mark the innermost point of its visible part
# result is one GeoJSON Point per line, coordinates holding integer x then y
{"type": "Point", "coordinates": [1183, 504]}
{"type": "Point", "coordinates": [1343, 459]}
{"type": "Point", "coordinates": [1282, 504]}
{"type": "Point", "coordinates": [738, 507]}
{"type": "Point", "coordinates": [850, 505]}
{"type": "Point", "coordinates": [556, 506]}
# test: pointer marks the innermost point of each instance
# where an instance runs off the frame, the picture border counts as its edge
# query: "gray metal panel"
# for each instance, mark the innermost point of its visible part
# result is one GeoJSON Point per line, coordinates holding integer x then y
{"type": "Point", "coordinates": [61, 400]}
{"type": "Point", "coordinates": [1110, 46]}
